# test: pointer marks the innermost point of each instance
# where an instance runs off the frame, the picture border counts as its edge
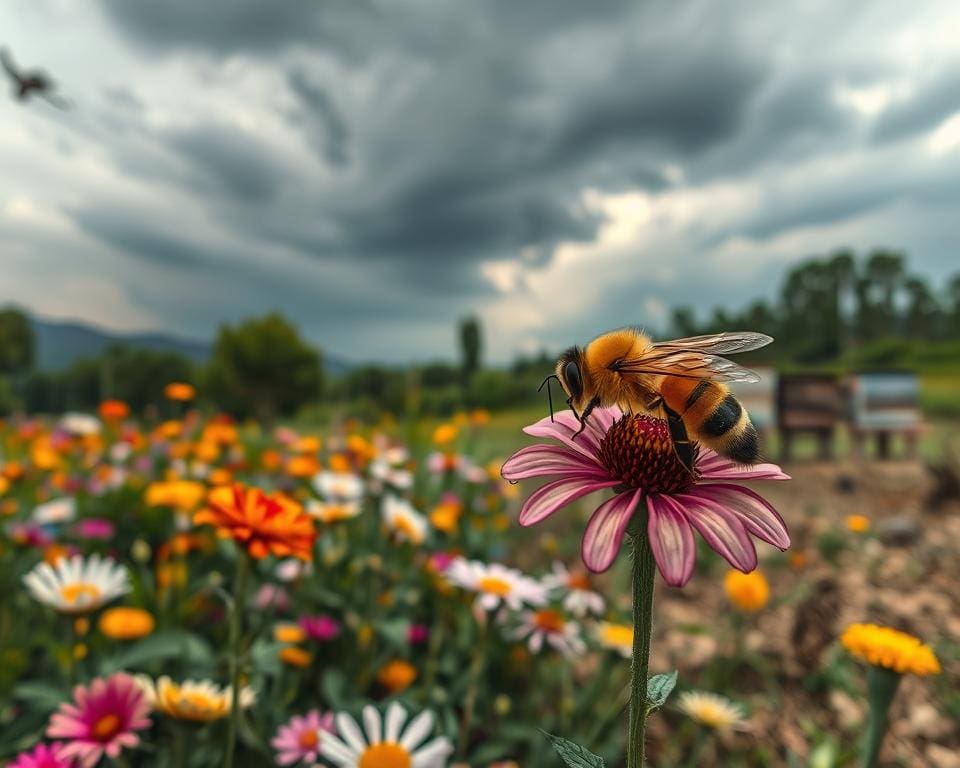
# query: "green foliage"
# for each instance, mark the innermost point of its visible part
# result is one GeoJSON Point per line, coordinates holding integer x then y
{"type": "Point", "coordinates": [471, 346]}
{"type": "Point", "coordinates": [573, 754]}
{"type": "Point", "coordinates": [659, 688]}
{"type": "Point", "coordinates": [263, 367]}
{"type": "Point", "coordinates": [16, 341]}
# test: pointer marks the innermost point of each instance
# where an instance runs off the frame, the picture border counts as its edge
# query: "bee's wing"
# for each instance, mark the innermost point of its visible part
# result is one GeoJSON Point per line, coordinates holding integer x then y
{"type": "Point", "coordinates": [726, 343]}
{"type": "Point", "coordinates": [698, 357]}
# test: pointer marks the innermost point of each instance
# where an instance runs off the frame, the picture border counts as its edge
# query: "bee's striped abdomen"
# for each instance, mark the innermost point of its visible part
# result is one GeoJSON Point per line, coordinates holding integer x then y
{"type": "Point", "coordinates": [714, 417]}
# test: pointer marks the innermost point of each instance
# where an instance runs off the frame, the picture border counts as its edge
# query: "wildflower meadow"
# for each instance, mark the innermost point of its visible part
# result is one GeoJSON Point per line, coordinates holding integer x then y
{"type": "Point", "coordinates": [199, 591]}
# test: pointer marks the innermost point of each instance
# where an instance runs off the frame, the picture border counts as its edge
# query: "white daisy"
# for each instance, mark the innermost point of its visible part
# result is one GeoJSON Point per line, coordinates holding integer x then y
{"type": "Point", "coordinates": [551, 627]}
{"type": "Point", "coordinates": [338, 486]}
{"type": "Point", "coordinates": [403, 519]}
{"type": "Point", "coordinates": [386, 743]}
{"type": "Point", "coordinates": [580, 598]}
{"type": "Point", "coordinates": [329, 512]}
{"type": "Point", "coordinates": [383, 471]}
{"type": "Point", "coordinates": [55, 511]}
{"type": "Point", "coordinates": [76, 585]}
{"type": "Point", "coordinates": [495, 584]}
{"type": "Point", "coordinates": [80, 424]}
{"type": "Point", "coordinates": [711, 710]}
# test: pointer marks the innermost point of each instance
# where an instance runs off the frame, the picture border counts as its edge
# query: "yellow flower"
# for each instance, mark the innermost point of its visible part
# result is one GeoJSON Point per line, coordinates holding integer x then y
{"type": "Point", "coordinates": [169, 430]}
{"type": "Point", "coordinates": [446, 515]}
{"type": "Point", "coordinates": [289, 633]}
{"type": "Point", "coordinates": [198, 701]}
{"type": "Point", "coordinates": [184, 495]}
{"type": "Point", "coordinates": [295, 657]}
{"type": "Point", "coordinates": [307, 444]}
{"type": "Point", "coordinates": [302, 466]}
{"type": "Point", "coordinates": [747, 591]}
{"type": "Point", "coordinates": [616, 637]}
{"type": "Point", "coordinates": [206, 451]}
{"type": "Point", "coordinates": [397, 675]}
{"type": "Point", "coordinates": [888, 648]}
{"type": "Point", "coordinates": [710, 710]}
{"type": "Point", "coordinates": [445, 434]}
{"type": "Point", "coordinates": [480, 417]}
{"type": "Point", "coordinates": [126, 623]}
{"type": "Point", "coordinates": [858, 523]}
{"type": "Point", "coordinates": [4, 485]}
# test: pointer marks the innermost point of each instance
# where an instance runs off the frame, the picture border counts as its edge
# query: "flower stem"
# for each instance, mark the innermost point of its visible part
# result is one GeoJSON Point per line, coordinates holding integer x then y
{"type": "Point", "coordinates": [470, 700]}
{"type": "Point", "coordinates": [643, 572]}
{"type": "Point", "coordinates": [236, 620]}
{"type": "Point", "coordinates": [881, 688]}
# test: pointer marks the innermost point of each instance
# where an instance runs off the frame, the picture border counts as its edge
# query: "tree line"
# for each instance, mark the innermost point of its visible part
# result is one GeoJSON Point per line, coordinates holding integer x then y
{"type": "Point", "coordinates": [835, 311]}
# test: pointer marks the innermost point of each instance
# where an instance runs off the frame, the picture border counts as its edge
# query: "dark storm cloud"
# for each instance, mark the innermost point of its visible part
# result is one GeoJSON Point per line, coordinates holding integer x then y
{"type": "Point", "coordinates": [223, 27]}
{"type": "Point", "coordinates": [328, 128]}
{"type": "Point", "coordinates": [226, 160]}
{"type": "Point", "coordinates": [133, 236]}
{"type": "Point", "coordinates": [934, 101]}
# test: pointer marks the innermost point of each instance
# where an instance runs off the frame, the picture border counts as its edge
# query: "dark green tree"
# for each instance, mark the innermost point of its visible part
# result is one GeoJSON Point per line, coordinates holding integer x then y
{"type": "Point", "coordinates": [262, 367]}
{"type": "Point", "coordinates": [922, 312]}
{"type": "Point", "coordinates": [471, 347]}
{"type": "Point", "coordinates": [16, 342]}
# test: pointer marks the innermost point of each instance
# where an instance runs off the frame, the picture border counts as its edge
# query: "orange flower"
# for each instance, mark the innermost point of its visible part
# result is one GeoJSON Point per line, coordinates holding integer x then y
{"type": "Point", "coordinates": [263, 524]}
{"type": "Point", "coordinates": [184, 495]}
{"type": "Point", "coordinates": [114, 410]}
{"type": "Point", "coordinates": [295, 657]}
{"type": "Point", "coordinates": [397, 675]}
{"type": "Point", "coordinates": [289, 633]}
{"type": "Point", "coordinates": [271, 460]}
{"type": "Point", "coordinates": [126, 623]}
{"type": "Point", "coordinates": [302, 466]}
{"type": "Point", "coordinates": [179, 390]}
{"type": "Point", "coordinates": [13, 470]}
{"type": "Point", "coordinates": [220, 476]}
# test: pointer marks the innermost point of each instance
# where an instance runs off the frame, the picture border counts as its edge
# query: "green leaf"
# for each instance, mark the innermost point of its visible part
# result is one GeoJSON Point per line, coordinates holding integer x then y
{"type": "Point", "coordinates": [173, 643]}
{"type": "Point", "coordinates": [658, 689]}
{"type": "Point", "coordinates": [573, 754]}
{"type": "Point", "coordinates": [41, 696]}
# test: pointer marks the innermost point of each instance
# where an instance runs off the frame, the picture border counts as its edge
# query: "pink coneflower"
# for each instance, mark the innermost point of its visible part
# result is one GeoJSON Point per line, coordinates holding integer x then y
{"type": "Point", "coordinates": [94, 528]}
{"type": "Point", "coordinates": [299, 740]}
{"type": "Point", "coordinates": [323, 628]}
{"type": "Point", "coordinates": [634, 454]}
{"type": "Point", "coordinates": [102, 719]}
{"type": "Point", "coordinates": [41, 756]}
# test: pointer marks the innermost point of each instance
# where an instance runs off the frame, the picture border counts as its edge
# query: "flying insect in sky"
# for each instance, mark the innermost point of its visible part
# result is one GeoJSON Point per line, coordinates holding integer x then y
{"type": "Point", "coordinates": [30, 83]}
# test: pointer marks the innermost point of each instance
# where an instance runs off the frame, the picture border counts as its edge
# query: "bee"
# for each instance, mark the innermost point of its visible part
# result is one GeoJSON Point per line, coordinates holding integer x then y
{"type": "Point", "coordinates": [683, 379]}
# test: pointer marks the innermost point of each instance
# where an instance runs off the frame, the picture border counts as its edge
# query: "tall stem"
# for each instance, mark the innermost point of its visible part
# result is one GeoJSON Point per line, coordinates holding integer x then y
{"type": "Point", "coordinates": [881, 688]}
{"type": "Point", "coordinates": [236, 620]}
{"type": "Point", "coordinates": [643, 572]}
{"type": "Point", "coordinates": [470, 700]}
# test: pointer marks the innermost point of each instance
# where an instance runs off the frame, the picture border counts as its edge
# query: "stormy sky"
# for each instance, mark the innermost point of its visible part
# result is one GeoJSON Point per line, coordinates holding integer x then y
{"type": "Point", "coordinates": [377, 169]}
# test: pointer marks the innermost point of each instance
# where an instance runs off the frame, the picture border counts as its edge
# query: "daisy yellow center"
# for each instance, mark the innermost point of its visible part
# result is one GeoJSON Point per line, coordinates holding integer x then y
{"type": "Point", "coordinates": [549, 620]}
{"type": "Point", "coordinates": [385, 756]}
{"type": "Point", "coordinates": [106, 727]}
{"type": "Point", "coordinates": [199, 702]}
{"type": "Point", "coordinates": [639, 451]}
{"type": "Point", "coordinates": [308, 739]}
{"type": "Point", "coordinates": [80, 592]}
{"type": "Point", "coordinates": [713, 715]}
{"type": "Point", "coordinates": [406, 527]}
{"type": "Point", "coordinates": [495, 586]}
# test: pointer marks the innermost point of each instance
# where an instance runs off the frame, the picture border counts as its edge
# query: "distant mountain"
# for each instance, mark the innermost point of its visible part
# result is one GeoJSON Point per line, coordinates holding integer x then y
{"type": "Point", "coordinates": [60, 343]}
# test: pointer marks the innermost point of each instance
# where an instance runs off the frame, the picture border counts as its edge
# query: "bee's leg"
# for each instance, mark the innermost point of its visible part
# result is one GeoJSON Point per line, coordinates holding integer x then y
{"type": "Point", "coordinates": [583, 418]}
{"type": "Point", "coordinates": [682, 445]}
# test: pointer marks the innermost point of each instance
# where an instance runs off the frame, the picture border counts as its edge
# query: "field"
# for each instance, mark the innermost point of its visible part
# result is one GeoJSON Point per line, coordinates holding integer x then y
{"type": "Point", "coordinates": [352, 598]}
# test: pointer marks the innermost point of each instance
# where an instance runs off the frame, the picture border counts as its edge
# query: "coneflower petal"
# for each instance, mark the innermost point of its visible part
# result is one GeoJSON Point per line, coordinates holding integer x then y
{"type": "Point", "coordinates": [756, 513]}
{"type": "Point", "coordinates": [712, 466]}
{"type": "Point", "coordinates": [671, 539]}
{"type": "Point", "coordinates": [547, 460]}
{"type": "Point", "coordinates": [605, 530]}
{"type": "Point", "coordinates": [563, 428]}
{"type": "Point", "coordinates": [721, 528]}
{"type": "Point", "coordinates": [554, 496]}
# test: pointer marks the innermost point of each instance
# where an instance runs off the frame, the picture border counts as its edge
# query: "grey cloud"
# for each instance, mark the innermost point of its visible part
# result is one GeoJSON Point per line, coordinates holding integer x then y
{"type": "Point", "coordinates": [924, 110]}
{"type": "Point", "coordinates": [329, 131]}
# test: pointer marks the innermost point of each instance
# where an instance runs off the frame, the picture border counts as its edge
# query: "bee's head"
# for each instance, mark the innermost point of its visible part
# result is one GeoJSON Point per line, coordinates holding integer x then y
{"type": "Point", "coordinates": [571, 375]}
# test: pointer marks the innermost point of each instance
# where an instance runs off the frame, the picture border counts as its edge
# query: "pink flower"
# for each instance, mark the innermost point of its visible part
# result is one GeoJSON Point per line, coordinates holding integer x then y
{"type": "Point", "coordinates": [417, 634]}
{"type": "Point", "coordinates": [299, 740]}
{"type": "Point", "coordinates": [635, 456]}
{"type": "Point", "coordinates": [322, 628]}
{"type": "Point", "coordinates": [102, 719]}
{"type": "Point", "coordinates": [41, 756]}
{"type": "Point", "coordinates": [94, 528]}
{"type": "Point", "coordinates": [272, 596]}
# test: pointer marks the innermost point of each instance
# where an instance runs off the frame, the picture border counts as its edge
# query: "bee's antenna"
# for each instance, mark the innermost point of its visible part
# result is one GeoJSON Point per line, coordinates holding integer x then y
{"type": "Point", "coordinates": [549, 392]}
